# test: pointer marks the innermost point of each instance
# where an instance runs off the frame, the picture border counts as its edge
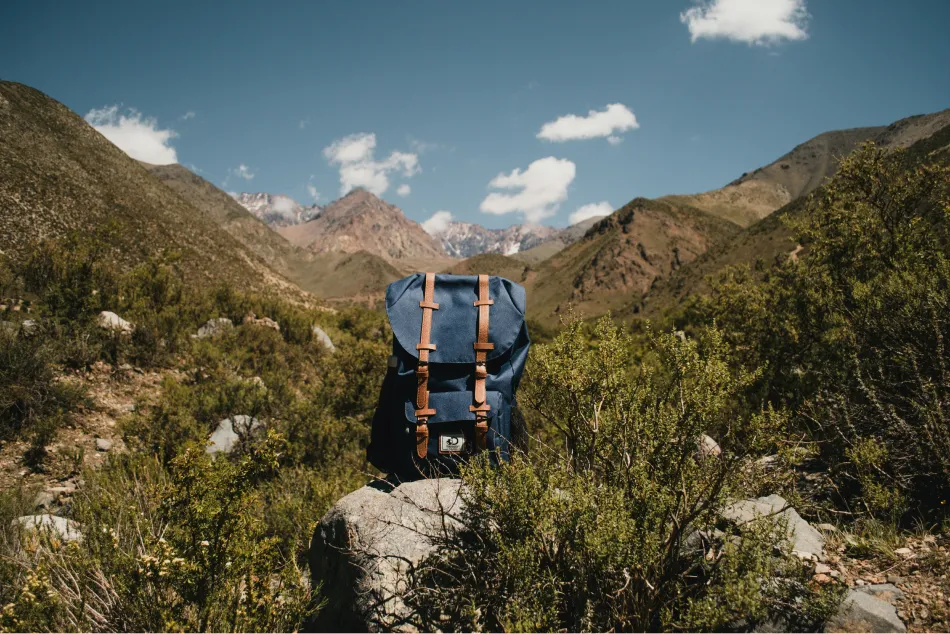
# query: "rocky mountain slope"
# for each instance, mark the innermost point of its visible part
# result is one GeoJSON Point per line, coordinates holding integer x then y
{"type": "Point", "coordinates": [465, 239]}
{"type": "Point", "coordinates": [756, 194]}
{"type": "Point", "coordinates": [277, 210]}
{"type": "Point", "coordinates": [362, 222]}
{"type": "Point", "coordinates": [561, 239]}
{"type": "Point", "coordinates": [770, 240]}
{"type": "Point", "coordinates": [61, 176]}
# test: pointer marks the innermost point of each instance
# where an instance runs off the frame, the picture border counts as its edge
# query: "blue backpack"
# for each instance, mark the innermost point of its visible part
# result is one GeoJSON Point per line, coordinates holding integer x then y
{"type": "Point", "coordinates": [459, 347]}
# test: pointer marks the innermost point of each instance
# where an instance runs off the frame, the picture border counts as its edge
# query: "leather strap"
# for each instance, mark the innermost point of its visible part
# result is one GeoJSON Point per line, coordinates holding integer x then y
{"type": "Point", "coordinates": [423, 411]}
{"type": "Point", "coordinates": [482, 346]}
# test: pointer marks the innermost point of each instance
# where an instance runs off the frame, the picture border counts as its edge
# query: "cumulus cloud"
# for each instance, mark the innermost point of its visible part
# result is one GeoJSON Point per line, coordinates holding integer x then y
{"type": "Point", "coordinates": [759, 22]}
{"type": "Point", "coordinates": [591, 210]}
{"type": "Point", "coordinates": [139, 137]}
{"type": "Point", "coordinates": [404, 190]}
{"type": "Point", "coordinates": [616, 117]}
{"type": "Point", "coordinates": [243, 171]}
{"type": "Point", "coordinates": [543, 187]}
{"type": "Point", "coordinates": [437, 223]}
{"type": "Point", "coordinates": [284, 205]}
{"type": "Point", "coordinates": [313, 192]}
{"type": "Point", "coordinates": [359, 168]}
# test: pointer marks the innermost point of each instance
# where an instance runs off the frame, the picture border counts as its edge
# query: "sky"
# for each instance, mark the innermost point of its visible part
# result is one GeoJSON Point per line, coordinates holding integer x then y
{"type": "Point", "coordinates": [493, 112]}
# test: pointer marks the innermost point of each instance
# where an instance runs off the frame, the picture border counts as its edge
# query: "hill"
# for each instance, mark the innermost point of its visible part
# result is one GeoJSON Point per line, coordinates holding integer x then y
{"type": "Point", "coordinates": [558, 241]}
{"type": "Point", "coordinates": [362, 222]}
{"type": "Point", "coordinates": [756, 194]}
{"type": "Point", "coordinates": [622, 256]}
{"type": "Point", "coordinates": [770, 240]}
{"type": "Point", "coordinates": [61, 176]}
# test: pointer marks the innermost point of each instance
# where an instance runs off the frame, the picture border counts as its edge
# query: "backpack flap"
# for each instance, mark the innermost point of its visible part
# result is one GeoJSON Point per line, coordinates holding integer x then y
{"type": "Point", "coordinates": [455, 325]}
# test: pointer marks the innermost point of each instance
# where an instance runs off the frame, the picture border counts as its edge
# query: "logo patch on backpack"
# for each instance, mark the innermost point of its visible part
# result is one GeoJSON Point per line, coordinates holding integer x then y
{"type": "Point", "coordinates": [452, 443]}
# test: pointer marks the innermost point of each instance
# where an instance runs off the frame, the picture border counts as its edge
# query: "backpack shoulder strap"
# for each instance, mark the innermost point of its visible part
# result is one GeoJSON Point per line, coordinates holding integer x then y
{"type": "Point", "coordinates": [423, 411]}
{"type": "Point", "coordinates": [482, 346]}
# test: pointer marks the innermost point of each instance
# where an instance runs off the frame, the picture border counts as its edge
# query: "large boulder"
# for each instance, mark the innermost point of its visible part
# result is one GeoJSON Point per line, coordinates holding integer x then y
{"type": "Point", "coordinates": [214, 327]}
{"type": "Point", "coordinates": [323, 338]}
{"type": "Point", "coordinates": [806, 541]}
{"type": "Point", "coordinates": [56, 526]}
{"type": "Point", "coordinates": [366, 546]}
{"type": "Point", "coordinates": [110, 321]}
{"type": "Point", "coordinates": [231, 432]}
{"type": "Point", "coordinates": [863, 612]}
{"type": "Point", "coordinates": [266, 322]}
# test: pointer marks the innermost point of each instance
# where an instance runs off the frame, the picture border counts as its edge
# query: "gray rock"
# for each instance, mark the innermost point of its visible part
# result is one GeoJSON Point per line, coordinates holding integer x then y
{"type": "Point", "coordinates": [59, 527]}
{"type": "Point", "coordinates": [9, 327]}
{"type": "Point", "coordinates": [827, 528]}
{"type": "Point", "coordinates": [30, 327]}
{"type": "Point", "coordinates": [884, 591]}
{"type": "Point", "coordinates": [214, 327]}
{"type": "Point", "coordinates": [103, 444]}
{"type": "Point", "coordinates": [805, 539]}
{"type": "Point", "coordinates": [706, 447]}
{"type": "Point", "coordinates": [110, 321]}
{"type": "Point", "coordinates": [366, 546]}
{"type": "Point", "coordinates": [323, 338]}
{"type": "Point", "coordinates": [45, 499]}
{"type": "Point", "coordinates": [231, 432]}
{"type": "Point", "coordinates": [861, 612]}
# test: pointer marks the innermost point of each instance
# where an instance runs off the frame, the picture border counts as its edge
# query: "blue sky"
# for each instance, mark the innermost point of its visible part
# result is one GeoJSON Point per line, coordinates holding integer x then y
{"type": "Point", "coordinates": [456, 93]}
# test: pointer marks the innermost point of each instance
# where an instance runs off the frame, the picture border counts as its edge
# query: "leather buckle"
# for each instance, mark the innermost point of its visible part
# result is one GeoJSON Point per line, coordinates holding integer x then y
{"type": "Point", "coordinates": [481, 372]}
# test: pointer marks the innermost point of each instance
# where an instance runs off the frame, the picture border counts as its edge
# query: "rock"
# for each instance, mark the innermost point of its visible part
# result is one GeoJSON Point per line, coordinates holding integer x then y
{"type": "Point", "coordinates": [45, 499]}
{"type": "Point", "coordinates": [767, 463]}
{"type": "Point", "coordinates": [214, 327]}
{"type": "Point", "coordinates": [884, 591]}
{"type": "Point", "coordinates": [59, 527]}
{"type": "Point", "coordinates": [365, 547]}
{"type": "Point", "coordinates": [904, 552]}
{"type": "Point", "coordinates": [861, 612]}
{"type": "Point", "coordinates": [706, 447]}
{"type": "Point", "coordinates": [111, 321]}
{"type": "Point", "coordinates": [67, 489]}
{"type": "Point", "coordinates": [266, 322]}
{"type": "Point", "coordinates": [103, 444]}
{"type": "Point", "coordinates": [822, 569]}
{"type": "Point", "coordinates": [30, 327]}
{"type": "Point", "coordinates": [232, 431]}
{"type": "Point", "coordinates": [827, 528]}
{"type": "Point", "coordinates": [323, 338]}
{"type": "Point", "coordinates": [807, 543]}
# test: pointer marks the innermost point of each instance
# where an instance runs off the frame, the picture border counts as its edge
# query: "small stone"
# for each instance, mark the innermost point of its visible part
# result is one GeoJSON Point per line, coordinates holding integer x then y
{"type": "Point", "coordinates": [323, 338]}
{"type": "Point", "coordinates": [904, 552]}
{"type": "Point", "coordinates": [827, 528]}
{"type": "Point", "coordinates": [59, 527]}
{"type": "Point", "coordinates": [930, 539]}
{"type": "Point", "coordinates": [894, 579]}
{"type": "Point", "coordinates": [859, 582]}
{"type": "Point", "coordinates": [44, 499]}
{"type": "Point", "coordinates": [103, 444]}
{"type": "Point", "coordinates": [834, 574]}
{"type": "Point", "coordinates": [110, 321]}
{"type": "Point", "coordinates": [822, 578]}
{"type": "Point", "coordinates": [822, 569]}
{"type": "Point", "coordinates": [706, 447]}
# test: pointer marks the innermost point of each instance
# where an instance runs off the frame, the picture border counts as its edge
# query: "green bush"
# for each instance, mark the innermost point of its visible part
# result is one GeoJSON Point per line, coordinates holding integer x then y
{"type": "Point", "coordinates": [621, 530]}
{"type": "Point", "coordinates": [852, 336]}
{"type": "Point", "coordinates": [177, 550]}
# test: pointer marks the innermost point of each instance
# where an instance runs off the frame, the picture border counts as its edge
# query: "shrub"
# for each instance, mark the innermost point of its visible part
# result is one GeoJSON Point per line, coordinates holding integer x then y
{"type": "Point", "coordinates": [620, 531]}
{"type": "Point", "coordinates": [853, 334]}
{"type": "Point", "coordinates": [181, 550]}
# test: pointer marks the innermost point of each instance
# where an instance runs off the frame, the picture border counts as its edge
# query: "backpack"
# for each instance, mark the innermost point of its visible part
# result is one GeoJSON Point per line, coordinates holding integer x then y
{"type": "Point", "coordinates": [459, 347]}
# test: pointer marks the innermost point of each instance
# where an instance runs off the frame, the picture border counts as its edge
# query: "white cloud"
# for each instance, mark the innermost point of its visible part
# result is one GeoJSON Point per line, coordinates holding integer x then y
{"type": "Point", "coordinates": [404, 190]}
{"type": "Point", "coordinates": [614, 140]}
{"type": "Point", "coordinates": [438, 223]}
{"type": "Point", "coordinates": [284, 205]}
{"type": "Point", "coordinates": [304, 123]}
{"type": "Point", "coordinates": [188, 115]}
{"type": "Point", "coordinates": [591, 210]}
{"type": "Point", "coordinates": [359, 168]}
{"type": "Point", "coordinates": [243, 171]}
{"type": "Point", "coordinates": [313, 192]}
{"type": "Point", "coordinates": [616, 117]}
{"type": "Point", "coordinates": [760, 22]}
{"type": "Point", "coordinates": [543, 187]}
{"type": "Point", "coordinates": [137, 136]}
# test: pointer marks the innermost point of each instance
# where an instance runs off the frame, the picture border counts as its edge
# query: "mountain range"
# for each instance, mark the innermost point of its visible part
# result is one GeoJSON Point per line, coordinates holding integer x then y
{"type": "Point", "coordinates": [62, 177]}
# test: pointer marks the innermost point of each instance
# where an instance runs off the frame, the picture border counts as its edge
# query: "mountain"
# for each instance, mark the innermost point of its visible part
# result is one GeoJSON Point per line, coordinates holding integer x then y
{"type": "Point", "coordinates": [558, 241]}
{"type": "Point", "coordinates": [465, 239]}
{"type": "Point", "coordinates": [770, 240]}
{"type": "Point", "coordinates": [362, 222]}
{"type": "Point", "coordinates": [277, 210]}
{"type": "Point", "coordinates": [756, 194]}
{"type": "Point", "coordinates": [622, 256]}
{"type": "Point", "coordinates": [61, 176]}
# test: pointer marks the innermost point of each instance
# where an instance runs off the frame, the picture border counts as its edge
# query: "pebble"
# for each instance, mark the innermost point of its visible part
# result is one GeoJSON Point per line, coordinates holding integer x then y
{"type": "Point", "coordinates": [859, 582]}
{"type": "Point", "coordinates": [894, 579]}
{"type": "Point", "coordinates": [822, 569]}
{"type": "Point", "coordinates": [822, 578]}
{"type": "Point", "coordinates": [904, 552]}
{"type": "Point", "coordinates": [827, 528]}
{"type": "Point", "coordinates": [834, 574]}
{"type": "Point", "coordinates": [103, 444]}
